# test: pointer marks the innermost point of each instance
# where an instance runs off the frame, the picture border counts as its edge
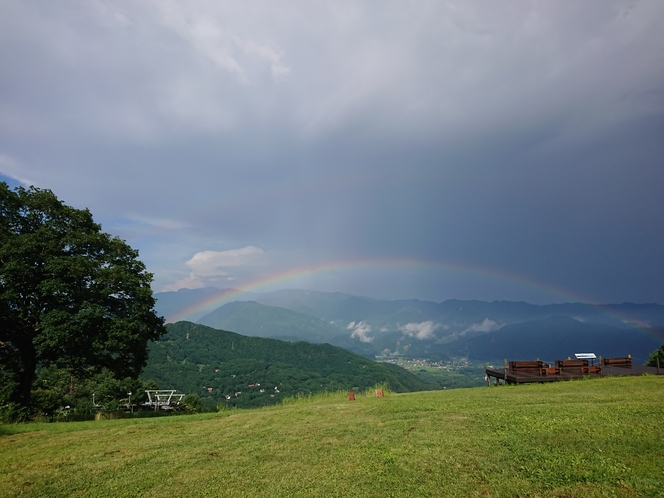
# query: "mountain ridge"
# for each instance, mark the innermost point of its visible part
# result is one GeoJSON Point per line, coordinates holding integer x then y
{"type": "Point", "coordinates": [253, 319]}
{"type": "Point", "coordinates": [437, 331]}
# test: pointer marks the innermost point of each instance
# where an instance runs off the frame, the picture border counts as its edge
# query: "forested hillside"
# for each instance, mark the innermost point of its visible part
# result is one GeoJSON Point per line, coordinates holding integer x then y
{"type": "Point", "coordinates": [253, 371]}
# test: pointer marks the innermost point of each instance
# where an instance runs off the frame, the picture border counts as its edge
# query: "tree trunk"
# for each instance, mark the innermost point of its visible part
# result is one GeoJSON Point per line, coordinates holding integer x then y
{"type": "Point", "coordinates": [26, 376]}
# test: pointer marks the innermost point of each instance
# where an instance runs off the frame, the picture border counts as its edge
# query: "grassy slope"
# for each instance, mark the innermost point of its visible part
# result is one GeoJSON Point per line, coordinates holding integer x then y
{"type": "Point", "coordinates": [591, 438]}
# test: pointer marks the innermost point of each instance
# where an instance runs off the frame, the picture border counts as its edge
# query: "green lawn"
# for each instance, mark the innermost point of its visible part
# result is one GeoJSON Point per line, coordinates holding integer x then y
{"type": "Point", "coordinates": [590, 438]}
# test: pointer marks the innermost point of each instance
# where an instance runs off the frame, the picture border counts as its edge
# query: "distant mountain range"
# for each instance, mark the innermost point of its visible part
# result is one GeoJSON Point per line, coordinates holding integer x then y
{"type": "Point", "coordinates": [483, 331]}
{"type": "Point", "coordinates": [556, 338]}
{"type": "Point", "coordinates": [253, 319]}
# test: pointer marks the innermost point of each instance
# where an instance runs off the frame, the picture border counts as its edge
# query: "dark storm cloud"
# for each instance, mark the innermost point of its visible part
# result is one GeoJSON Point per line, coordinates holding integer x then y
{"type": "Point", "coordinates": [523, 137]}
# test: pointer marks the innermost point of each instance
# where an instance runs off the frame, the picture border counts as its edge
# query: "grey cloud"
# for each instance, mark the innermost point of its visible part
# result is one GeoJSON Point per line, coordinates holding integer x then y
{"type": "Point", "coordinates": [421, 331]}
{"type": "Point", "coordinates": [156, 69]}
{"type": "Point", "coordinates": [361, 331]}
{"type": "Point", "coordinates": [485, 326]}
{"type": "Point", "coordinates": [523, 137]}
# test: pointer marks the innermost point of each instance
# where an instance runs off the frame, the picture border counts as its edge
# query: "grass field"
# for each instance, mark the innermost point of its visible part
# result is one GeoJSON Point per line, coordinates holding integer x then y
{"type": "Point", "coordinates": [589, 438]}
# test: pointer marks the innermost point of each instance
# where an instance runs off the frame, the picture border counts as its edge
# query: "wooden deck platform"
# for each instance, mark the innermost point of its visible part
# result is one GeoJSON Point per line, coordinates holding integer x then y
{"type": "Point", "coordinates": [509, 375]}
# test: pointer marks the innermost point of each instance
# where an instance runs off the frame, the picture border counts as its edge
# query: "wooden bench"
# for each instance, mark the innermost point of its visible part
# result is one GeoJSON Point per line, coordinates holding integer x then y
{"type": "Point", "coordinates": [618, 362]}
{"type": "Point", "coordinates": [578, 366]}
{"type": "Point", "coordinates": [527, 365]}
{"type": "Point", "coordinates": [565, 364]}
{"type": "Point", "coordinates": [537, 366]}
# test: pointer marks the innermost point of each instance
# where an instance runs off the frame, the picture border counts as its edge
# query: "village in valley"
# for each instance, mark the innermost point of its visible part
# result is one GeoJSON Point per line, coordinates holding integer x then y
{"type": "Point", "coordinates": [451, 373]}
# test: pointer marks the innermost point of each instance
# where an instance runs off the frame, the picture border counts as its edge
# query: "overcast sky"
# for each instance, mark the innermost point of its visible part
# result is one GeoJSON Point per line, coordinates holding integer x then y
{"type": "Point", "coordinates": [472, 150]}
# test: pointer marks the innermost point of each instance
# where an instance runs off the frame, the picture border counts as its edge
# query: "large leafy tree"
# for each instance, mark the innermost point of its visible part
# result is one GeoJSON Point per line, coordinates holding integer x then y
{"type": "Point", "coordinates": [655, 356]}
{"type": "Point", "coordinates": [71, 296]}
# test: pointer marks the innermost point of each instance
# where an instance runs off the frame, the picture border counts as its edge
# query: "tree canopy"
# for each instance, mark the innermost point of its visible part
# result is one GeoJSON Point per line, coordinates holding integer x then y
{"type": "Point", "coordinates": [71, 296]}
{"type": "Point", "coordinates": [655, 356]}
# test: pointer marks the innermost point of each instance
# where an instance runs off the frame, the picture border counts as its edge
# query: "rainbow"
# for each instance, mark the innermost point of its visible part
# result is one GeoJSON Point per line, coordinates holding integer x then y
{"type": "Point", "coordinates": [281, 278]}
